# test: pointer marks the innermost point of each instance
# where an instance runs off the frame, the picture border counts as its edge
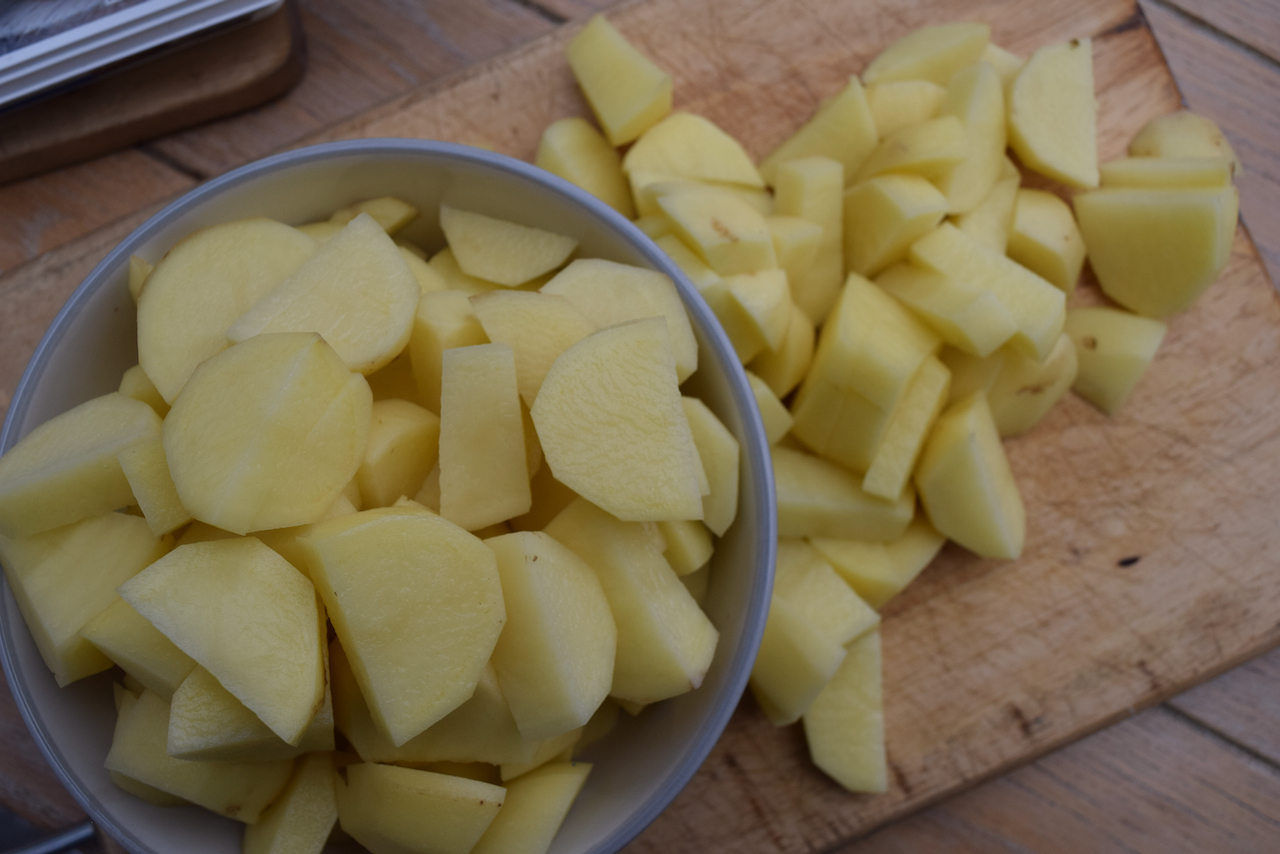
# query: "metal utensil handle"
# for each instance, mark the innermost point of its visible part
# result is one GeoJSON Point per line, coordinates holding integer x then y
{"type": "Point", "coordinates": [60, 841]}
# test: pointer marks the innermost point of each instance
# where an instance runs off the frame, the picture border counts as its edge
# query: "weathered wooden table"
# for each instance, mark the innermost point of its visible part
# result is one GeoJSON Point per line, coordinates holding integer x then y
{"type": "Point", "coordinates": [1196, 771]}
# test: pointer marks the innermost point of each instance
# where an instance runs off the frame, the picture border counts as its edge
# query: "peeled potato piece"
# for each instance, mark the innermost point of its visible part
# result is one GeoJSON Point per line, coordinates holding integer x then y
{"type": "Point", "coordinates": [238, 790]}
{"type": "Point", "coordinates": [356, 291]}
{"type": "Point", "coordinates": [202, 286]}
{"type": "Point", "coordinates": [845, 723]}
{"type": "Point", "coordinates": [300, 820]}
{"type": "Point", "coordinates": [249, 618]}
{"type": "Point", "coordinates": [1053, 114]}
{"type": "Point", "coordinates": [554, 659]}
{"type": "Point", "coordinates": [506, 253]}
{"type": "Point", "coordinates": [665, 642]}
{"type": "Point", "coordinates": [627, 92]}
{"type": "Point", "coordinates": [268, 433]}
{"type": "Point", "coordinates": [535, 806]}
{"type": "Point", "coordinates": [929, 53]}
{"type": "Point", "coordinates": [435, 582]}
{"type": "Point", "coordinates": [63, 578]}
{"type": "Point", "coordinates": [685, 145]}
{"type": "Point", "coordinates": [842, 128]}
{"type": "Point", "coordinates": [574, 150]}
{"type": "Point", "coordinates": [965, 483]}
{"type": "Point", "coordinates": [613, 429]}
{"type": "Point", "coordinates": [1114, 349]}
{"type": "Point", "coordinates": [389, 809]}
{"type": "Point", "coordinates": [67, 469]}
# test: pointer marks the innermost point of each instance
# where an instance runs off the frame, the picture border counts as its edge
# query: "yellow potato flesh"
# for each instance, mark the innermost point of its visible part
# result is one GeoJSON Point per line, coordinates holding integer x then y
{"type": "Point", "coordinates": [1166, 172]}
{"type": "Point", "coordinates": [202, 286]}
{"type": "Point", "coordinates": [67, 469]}
{"type": "Point", "coordinates": [404, 443]}
{"type": "Point", "coordinates": [884, 215]}
{"type": "Point", "coordinates": [391, 810]}
{"type": "Point", "coordinates": [574, 150]}
{"type": "Point", "coordinates": [1184, 134]}
{"type": "Point", "coordinates": [1053, 114]}
{"type": "Point", "coordinates": [356, 291]}
{"type": "Point", "coordinates": [248, 617]}
{"type": "Point", "coordinates": [147, 470]}
{"type": "Point", "coordinates": [929, 149]}
{"type": "Point", "coordinates": [1025, 389]}
{"type": "Point", "coordinates": [783, 369]}
{"type": "Point", "coordinates": [812, 189]}
{"type": "Point", "coordinates": [966, 317]}
{"type": "Point", "coordinates": [237, 790]}
{"type": "Point", "coordinates": [777, 420]}
{"type": "Point", "coordinates": [1046, 240]}
{"type": "Point", "coordinates": [417, 604]}
{"type": "Point", "coordinates": [554, 659]}
{"type": "Point", "coordinates": [879, 571]}
{"type": "Point", "coordinates": [484, 477]}
{"type": "Point", "coordinates": [1114, 349]}
{"type": "Point", "coordinates": [730, 235]}
{"type": "Point", "coordinates": [976, 97]}
{"type": "Point", "coordinates": [268, 433]}
{"type": "Point", "coordinates": [929, 53]}
{"type": "Point", "coordinates": [627, 92]}
{"type": "Point", "coordinates": [129, 640]}
{"type": "Point", "coordinates": [719, 454]}
{"type": "Point", "coordinates": [608, 293]}
{"type": "Point", "coordinates": [991, 221]}
{"type": "Point", "coordinates": [898, 103]}
{"type": "Point", "coordinates": [303, 815]}
{"type": "Point", "coordinates": [684, 145]}
{"type": "Point", "coordinates": [444, 320]}
{"type": "Point", "coordinates": [819, 499]}
{"type": "Point", "coordinates": [535, 806]}
{"type": "Point", "coordinates": [909, 424]}
{"type": "Point", "coordinates": [499, 251]}
{"type": "Point", "coordinates": [844, 725]}
{"type": "Point", "coordinates": [965, 483]}
{"type": "Point", "coordinates": [63, 578]}
{"type": "Point", "coordinates": [665, 642]}
{"type": "Point", "coordinates": [1156, 250]}
{"type": "Point", "coordinates": [136, 384]}
{"type": "Point", "coordinates": [1036, 306]}
{"type": "Point", "coordinates": [613, 429]}
{"type": "Point", "coordinates": [842, 129]}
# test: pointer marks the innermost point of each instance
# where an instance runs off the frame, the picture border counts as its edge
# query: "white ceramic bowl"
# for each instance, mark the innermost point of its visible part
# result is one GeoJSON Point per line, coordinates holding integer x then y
{"type": "Point", "coordinates": [645, 762]}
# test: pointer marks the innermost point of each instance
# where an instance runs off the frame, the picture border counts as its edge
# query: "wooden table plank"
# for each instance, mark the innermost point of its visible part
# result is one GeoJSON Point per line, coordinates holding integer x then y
{"type": "Point", "coordinates": [359, 55]}
{"type": "Point", "coordinates": [47, 211]}
{"type": "Point", "coordinates": [1241, 91]}
{"type": "Point", "coordinates": [1252, 22]}
{"type": "Point", "coordinates": [1242, 705]}
{"type": "Point", "coordinates": [1152, 784]}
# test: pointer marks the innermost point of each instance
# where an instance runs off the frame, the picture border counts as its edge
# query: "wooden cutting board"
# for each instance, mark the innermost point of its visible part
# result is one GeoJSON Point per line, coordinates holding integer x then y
{"type": "Point", "coordinates": [1151, 534]}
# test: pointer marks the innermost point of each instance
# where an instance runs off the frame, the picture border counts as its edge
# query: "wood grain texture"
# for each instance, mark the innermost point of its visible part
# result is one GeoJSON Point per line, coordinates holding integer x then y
{"type": "Point", "coordinates": [359, 55]}
{"type": "Point", "coordinates": [32, 294]}
{"type": "Point", "coordinates": [1241, 92]}
{"type": "Point", "coordinates": [42, 213]}
{"type": "Point", "coordinates": [1242, 705]}
{"type": "Point", "coordinates": [1182, 790]}
{"type": "Point", "coordinates": [1252, 22]}
{"type": "Point", "coordinates": [28, 785]}
{"type": "Point", "coordinates": [224, 74]}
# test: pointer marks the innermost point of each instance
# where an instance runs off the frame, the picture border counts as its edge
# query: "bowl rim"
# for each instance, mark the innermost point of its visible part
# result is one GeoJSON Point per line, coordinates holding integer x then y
{"type": "Point", "coordinates": [739, 666]}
